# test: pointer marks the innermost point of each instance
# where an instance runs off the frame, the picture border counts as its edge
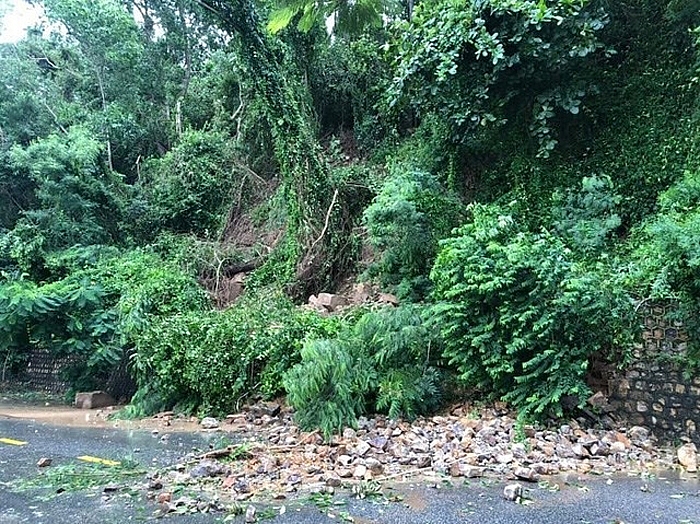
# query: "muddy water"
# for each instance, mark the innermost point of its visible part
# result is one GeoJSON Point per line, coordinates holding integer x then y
{"type": "Point", "coordinates": [67, 416]}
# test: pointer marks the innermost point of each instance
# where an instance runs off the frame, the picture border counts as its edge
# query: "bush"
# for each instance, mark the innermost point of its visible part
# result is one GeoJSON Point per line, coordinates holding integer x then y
{"type": "Point", "coordinates": [519, 317]}
{"type": "Point", "coordinates": [211, 360]}
{"type": "Point", "coordinates": [385, 362]}
{"type": "Point", "coordinates": [95, 312]}
{"type": "Point", "coordinates": [665, 262]}
{"type": "Point", "coordinates": [191, 187]}
{"type": "Point", "coordinates": [586, 218]}
{"type": "Point", "coordinates": [405, 221]}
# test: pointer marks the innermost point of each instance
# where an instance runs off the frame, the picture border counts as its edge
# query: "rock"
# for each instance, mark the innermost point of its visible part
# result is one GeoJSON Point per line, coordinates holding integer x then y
{"type": "Point", "coordinates": [638, 434]}
{"type": "Point", "coordinates": [388, 298]}
{"type": "Point", "coordinates": [379, 443]}
{"type": "Point", "coordinates": [505, 458]}
{"type": "Point", "coordinates": [362, 448]}
{"type": "Point", "coordinates": [579, 451]}
{"type": "Point", "coordinates": [333, 480]}
{"type": "Point", "coordinates": [374, 466]}
{"type": "Point", "coordinates": [349, 433]}
{"type": "Point", "coordinates": [361, 293]}
{"type": "Point", "coordinates": [250, 516]}
{"type": "Point", "coordinates": [330, 301]}
{"type": "Point", "coordinates": [420, 446]}
{"type": "Point", "coordinates": [527, 474]}
{"type": "Point", "coordinates": [93, 400]}
{"type": "Point", "coordinates": [688, 457]}
{"type": "Point", "coordinates": [599, 400]}
{"type": "Point", "coordinates": [209, 423]}
{"type": "Point", "coordinates": [165, 497]}
{"type": "Point", "coordinates": [617, 447]}
{"type": "Point", "coordinates": [472, 472]}
{"type": "Point", "coordinates": [293, 479]}
{"type": "Point", "coordinates": [344, 460]}
{"type": "Point", "coordinates": [423, 461]}
{"type": "Point", "coordinates": [360, 471]}
{"type": "Point", "coordinates": [207, 468]}
{"type": "Point", "coordinates": [344, 473]}
{"type": "Point", "coordinates": [155, 484]}
{"type": "Point", "coordinates": [44, 462]}
{"type": "Point", "coordinates": [513, 492]}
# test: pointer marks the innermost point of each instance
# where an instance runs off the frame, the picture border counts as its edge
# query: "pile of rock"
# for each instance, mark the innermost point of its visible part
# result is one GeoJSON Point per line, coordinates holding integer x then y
{"type": "Point", "coordinates": [282, 460]}
{"type": "Point", "coordinates": [358, 294]}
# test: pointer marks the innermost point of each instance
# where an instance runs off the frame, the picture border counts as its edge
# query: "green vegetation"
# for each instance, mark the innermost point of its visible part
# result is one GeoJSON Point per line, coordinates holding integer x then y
{"type": "Point", "coordinates": [177, 177]}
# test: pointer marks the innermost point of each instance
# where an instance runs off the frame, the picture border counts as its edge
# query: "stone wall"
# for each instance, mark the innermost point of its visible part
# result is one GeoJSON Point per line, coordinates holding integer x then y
{"type": "Point", "coordinates": [655, 390]}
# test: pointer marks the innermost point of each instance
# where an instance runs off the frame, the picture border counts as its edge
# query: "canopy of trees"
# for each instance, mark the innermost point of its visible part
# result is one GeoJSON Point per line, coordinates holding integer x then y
{"type": "Point", "coordinates": [520, 173]}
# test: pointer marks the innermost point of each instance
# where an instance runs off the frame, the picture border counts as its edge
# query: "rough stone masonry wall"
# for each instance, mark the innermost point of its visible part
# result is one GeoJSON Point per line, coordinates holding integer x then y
{"type": "Point", "coordinates": [654, 391]}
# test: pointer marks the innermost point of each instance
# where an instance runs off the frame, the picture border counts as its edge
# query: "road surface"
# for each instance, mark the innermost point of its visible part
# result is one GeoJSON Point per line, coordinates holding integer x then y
{"type": "Point", "coordinates": [657, 500]}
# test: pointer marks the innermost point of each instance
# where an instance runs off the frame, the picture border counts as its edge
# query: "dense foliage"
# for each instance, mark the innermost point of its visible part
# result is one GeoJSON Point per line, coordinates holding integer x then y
{"type": "Point", "coordinates": [519, 316]}
{"type": "Point", "coordinates": [385, 362]}
{"type": "Point", "coordinates": [522, 174]}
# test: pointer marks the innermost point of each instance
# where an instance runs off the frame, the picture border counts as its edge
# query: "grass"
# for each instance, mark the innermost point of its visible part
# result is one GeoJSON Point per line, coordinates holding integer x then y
{"type": "Point", "coordinates": [80, 477]}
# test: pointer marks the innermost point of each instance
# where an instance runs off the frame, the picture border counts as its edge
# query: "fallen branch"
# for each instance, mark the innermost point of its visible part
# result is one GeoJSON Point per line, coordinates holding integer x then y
{"type": "Point", "coordinates": [328, 218]}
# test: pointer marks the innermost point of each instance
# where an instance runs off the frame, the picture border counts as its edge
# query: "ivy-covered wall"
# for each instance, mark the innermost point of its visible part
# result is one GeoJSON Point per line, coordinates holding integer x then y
{"type": "Point", "coordinates": [656, 389]}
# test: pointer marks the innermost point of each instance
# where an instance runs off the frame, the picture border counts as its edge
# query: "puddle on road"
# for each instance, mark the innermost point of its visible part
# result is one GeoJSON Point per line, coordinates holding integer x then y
{"type": "Point", "coordinates": [67, 416]}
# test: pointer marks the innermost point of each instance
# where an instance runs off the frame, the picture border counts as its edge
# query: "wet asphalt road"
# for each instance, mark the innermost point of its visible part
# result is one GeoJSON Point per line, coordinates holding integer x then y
{"type": "Point", "coordinates": [663, 499]}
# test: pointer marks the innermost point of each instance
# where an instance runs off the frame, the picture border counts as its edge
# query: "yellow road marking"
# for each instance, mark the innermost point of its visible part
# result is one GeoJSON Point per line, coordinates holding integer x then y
{"type": "Point", "coordinates": [12, 442]}
{"type": "Point", "coordinates": [98, 460]}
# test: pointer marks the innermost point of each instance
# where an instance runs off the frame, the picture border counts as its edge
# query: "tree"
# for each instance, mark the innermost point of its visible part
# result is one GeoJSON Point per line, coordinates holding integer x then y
{"type": "Point", "coordinates": [310, 254]}
{"type": "Point", "coordinates": [474, 63]}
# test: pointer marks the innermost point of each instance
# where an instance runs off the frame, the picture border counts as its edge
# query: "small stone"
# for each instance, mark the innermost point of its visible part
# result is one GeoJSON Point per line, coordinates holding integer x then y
{"type": "Point", "coordinates": [110, 488]}
{"type": "Point", "coordinates": [527, 474]}
{"type": "Point", "coordinates": [513, 492]}
{"type": "Point", "coordinates": [617, 447]}
{"type": "Point", "coordinates": [44, 462]}
{"type": "Point", "coordinates": [349, 433]}
{"type": "Point", "coordinates": [388, 298]}
{"type": "Point", "coordinates": [344, 473]}
{"type": "Point", "coordinates": [374, 466]}
{"type": "Point", "coordinates": [155, 484]}
{"type": "Point", "coordinates": [362, 448]}
{"type": "Point", "coordinates": [250, 515]}
{"type": "Point", "coordinates": [209, 423]}
{"type": "Point", "coordinates": [344, 460]}
{"type": "Point", "coordinates": [165, 497]}
{"type": "Point", "coordinates": [505, 458]}
{"type": "Point", "coordinates": [688, 457]}
{"type": "Point", "coordinates": [360, 471]}
{"type": "Point", "coordinates": [579, 450]}
{"type": "Point", "coordinates": [333, 480]}
{"type": "Point", "coordinates": [420, 447]}
{"type": "Point", "coordinates": [455, 470]}
{"type": "Point", "coordinates": [423, 461]}
{"type": "Point", "coordinates": [379, 443]}
{"type": "Point", "coordinates": [598, 400]}
{"type": "Point", "coordinates": [472, 472]}
{"type": "Point", "coordinates": [638, 434]}
{"type": "Point", "coordinates": [293, 479]}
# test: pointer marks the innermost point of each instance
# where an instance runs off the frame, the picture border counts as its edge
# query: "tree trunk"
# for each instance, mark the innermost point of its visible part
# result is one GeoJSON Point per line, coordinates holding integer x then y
{"type": "Point", "coordinates": [313, 208]}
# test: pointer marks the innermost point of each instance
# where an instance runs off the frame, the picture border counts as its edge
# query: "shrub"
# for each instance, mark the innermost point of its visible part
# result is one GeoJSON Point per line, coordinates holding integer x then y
{"type": "Point", "coordinates": [405, 221]}
{"type": "Point", "coordinates": [385, 362]}
{"type": "Point", "coordinates": [211, 360]}
{"type": "Point", "coordinates": [665, 262]}
{"type": "Point", "coordinates": [95, 312]}
{"type": "Point", "coordinates": [586, 218]}
{"type": "Point", "coordinates": [519, 317]}
{"type": "Point", "coordinates": [192, 186]}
